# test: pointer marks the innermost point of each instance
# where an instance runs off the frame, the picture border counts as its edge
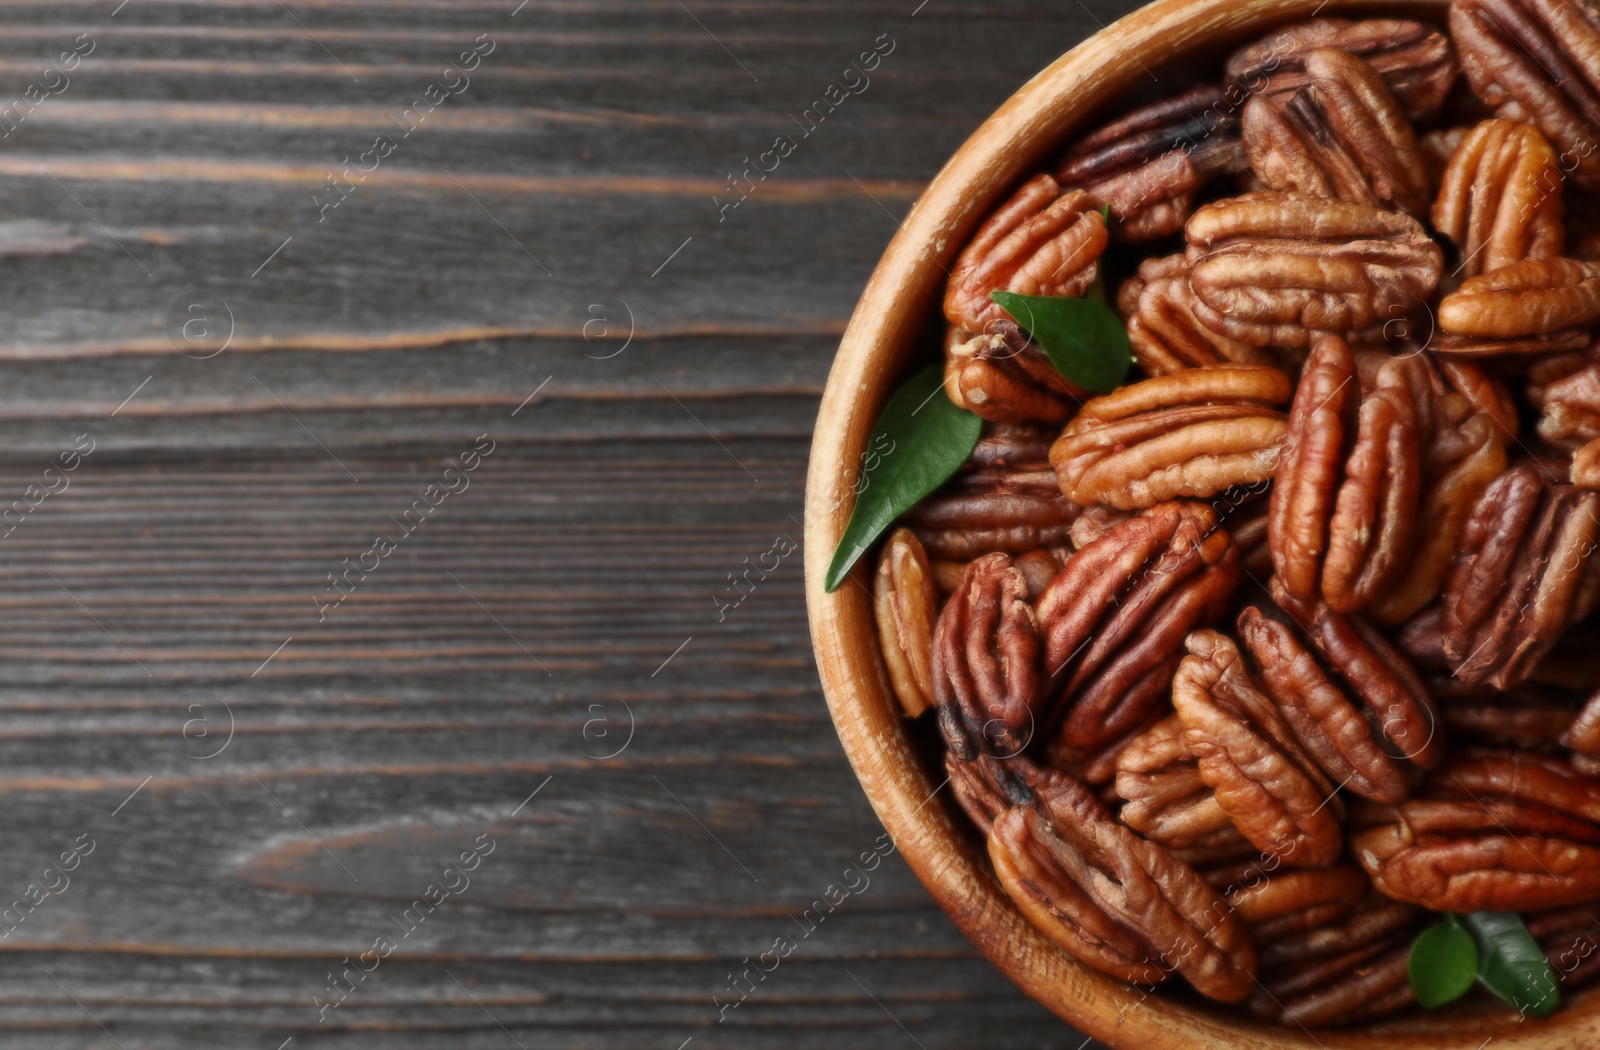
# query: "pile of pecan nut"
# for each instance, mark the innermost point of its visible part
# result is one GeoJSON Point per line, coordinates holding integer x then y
{"type": "Point", "coordinates": [1246, 667]}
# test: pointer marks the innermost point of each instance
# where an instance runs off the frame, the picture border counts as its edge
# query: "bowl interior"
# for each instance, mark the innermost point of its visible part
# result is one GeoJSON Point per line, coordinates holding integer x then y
{"type": "Point", "coordinates": [1156, 51]}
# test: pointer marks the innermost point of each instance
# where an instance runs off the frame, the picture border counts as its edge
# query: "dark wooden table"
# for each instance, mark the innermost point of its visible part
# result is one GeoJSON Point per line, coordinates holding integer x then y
{"type": "Point", "coordinates": [275, 661]}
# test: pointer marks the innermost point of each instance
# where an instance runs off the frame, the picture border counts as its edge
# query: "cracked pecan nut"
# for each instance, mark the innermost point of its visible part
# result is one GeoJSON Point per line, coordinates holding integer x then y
{"type": "Point", "coordinates": [1114, 620]}
{"type": "Point", "coordinates": [1414, 59]}
{"type": "Point", "coordinates": [1341, 135]}
{"type": "Point", "coordinates": [1118, 903]}
{"type": "Point", "coordinates": [1535, 61]}
{"type": "Point", "coordinates": [1521, 577]}
{"type": "Point", "coordinates": [1497, 831]}
{"type": "Point", "coordinates": [1147, 166]}
{"type": "Point", "coordinates": [1269, 269]}
{"type": "Point", "coordinates": [1164, 797]}
{"type": "Point", "coordinates": [907, 606]}
{"type": "Point", "coordinates": [1043, 241]}
{"type": "Point", "coordinates": [1464, 453]}
{"type": "Point", "coordinates": [1004, 377]}
{"type": "Point", "coordinates": [985, 662]}
{"type": "Point", "coordinates": [1192, 434]}
{"type": "Point", "coordinates": [1005, 499]}
{"type": "Point", "coordinates": [1158, 306]}
{"type": "Point", "coordinates": [1535, 297]}
{"type": "Point", "coordinates": [1345, 501]}
{"type": "Point", "coordinates": [1270, 789]}
{"type": "Point", "coordinates": [1501, 200]}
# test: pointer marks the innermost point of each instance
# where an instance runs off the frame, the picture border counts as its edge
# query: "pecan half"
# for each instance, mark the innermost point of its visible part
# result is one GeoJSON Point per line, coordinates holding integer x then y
{"type": "Point", "coordinates": [1345, 501]}
{"type": "Point", "coordinates": [1501, 200]}
{"type": "Point", "coordinates": [1534, 60]}
{"type": "Point", "coordinates": [1115, 619]}
{"type": "Point", "coordinates": [907, 606]}
{"type": "Point", "coordinates": [1166, 800]}
{"type": "Point", "coordinates": [1530, 298]}
{"type": "Point", "coordinates": [1566, 389]}
{"type": "Point", "coordinates": [1570, 938]}
{"type": "Point", "coordinates": [1004, 377]}
{"type": "Point", "coordinates": [1414, 59]}
{"type": "Point", "coordinates": [1158, 306]}
{"type": "Point", "coordinates": [1586, 466]}
{"type": "Point", "coordinates": [1269, 269]}
{"type": "Point", "coordinates": [1464, 453]}
{"type": "Point", "coordinates": [1521, 577]}
{"type": "Point", "coordinates": [1191, 434]}
{"type": "Point", "coordinates": [1278, 902]}
{"type": "Point", "coordinates": [1115, 901]}
{"type": "Point", "coordinates": [1043, 241]}
{"type": "Point", "coordinates": [985, 662]}
{"type": "Point", "coordinates": [1341, 135]}
{"type": "Point", "coordinates": [1498, 831]}
{"type": "Point", "coordinates": [1273, 793]}
{"type": "Point", "coordinates": [1147, 166]}
{"type": "Point", "coordinates": [1005, 499]}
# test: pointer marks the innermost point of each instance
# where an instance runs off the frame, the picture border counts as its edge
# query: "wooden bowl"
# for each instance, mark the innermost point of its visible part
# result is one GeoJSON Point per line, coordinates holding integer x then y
{"type": "Point", "coordinates": [894, 319]}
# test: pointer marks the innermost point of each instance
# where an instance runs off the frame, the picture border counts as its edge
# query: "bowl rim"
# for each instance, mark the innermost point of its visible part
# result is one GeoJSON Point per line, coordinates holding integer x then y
{"type": "Point", "coordinates": [891, 314]}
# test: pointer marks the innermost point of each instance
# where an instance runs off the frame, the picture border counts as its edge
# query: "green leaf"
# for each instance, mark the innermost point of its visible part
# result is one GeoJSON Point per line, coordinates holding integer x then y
{"type": "Point", "coordinates": [1511, 964]}
{"type": "Point", "coordinates": [919, 441]}
{"type": "Point", "coordinates": [1443, 963]}
{"type": "Point", "coordinates": [1084, 340]}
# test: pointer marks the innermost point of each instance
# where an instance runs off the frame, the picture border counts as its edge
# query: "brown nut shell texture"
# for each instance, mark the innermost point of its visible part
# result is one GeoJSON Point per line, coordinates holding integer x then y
{"type": "Point", "coordinates": [1271, 268]}
{"type": "Point", "coordinates": [1341, 135]}
{"type": "Point", "coordinates": [1044, 241]}
{"type": "Point", "coordinates": [1191, 434]}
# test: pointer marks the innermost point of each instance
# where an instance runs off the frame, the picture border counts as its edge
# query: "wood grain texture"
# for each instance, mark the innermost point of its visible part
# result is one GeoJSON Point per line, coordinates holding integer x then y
{"type": "Point", "coordinates": [270, 789]}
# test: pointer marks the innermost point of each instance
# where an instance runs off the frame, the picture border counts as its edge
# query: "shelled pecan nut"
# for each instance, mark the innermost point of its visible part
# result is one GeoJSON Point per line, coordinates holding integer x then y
{"type": "Point", "coordinates": [1521, 577]}
{"type": "Point", "coordinates": [1466, 452]}
{"type": "Point", "coordinates": [1586, 466]}
{"type": "Point", "coordinates": [1007, 499]}
{"type": "Point", "coordinates": [1501, 201]}
{"type": "Point", "coordinates": [1269, 268]}
{"type": "Point", "coordinates": [1158, 306]}
{"type": "Point", "coordinates": [907, 606]}
{"type": "Point", "coordinates": [1165, 798]}
{"type": "Point", "coordinates": [1529, 298]}
{"type": "Point", "coordinates": [1570, 938]}
{"type": "Point", "coordinates": [1498, 831]}
{"type": "Point", "coordinates": [1004, 377]}
{"type": "Point", "coordinates": [1284, 902]}
{"type": "Point", "coordinates": [1117, 902]}
{"type": "Point", "coordinates": [1271, 791]}
{"type": "Point", "coordinates": [985, 662]}
{"type": "Point", "coordinates": [1483, 389]}
{"type": "Point", "coordinates": [1341, 135]}
{"type": "Point", "coordinates": [1364, 982]}
{"type": "Point", "coordinates": [1043, 241]}
{"type": "Point", "coordinates": [1193, 434]}
{"type": "Point", "coordinates": [1147, 166]}
{"type": "Point", "coordinates": [1525, 719]}
{"type": "Point", "coordinates": [1345, 501]}
{"type": "Point", "coordinates": [1583, 735]}
{"type": "Point", "coordinates": [1114, 620]}
{"type": "Point", "coordinates": [1534, 60]}
{"type": "Point", "coordinates": [1414, 59]}
{"type": "Point", "coordinates": [1566, 389]}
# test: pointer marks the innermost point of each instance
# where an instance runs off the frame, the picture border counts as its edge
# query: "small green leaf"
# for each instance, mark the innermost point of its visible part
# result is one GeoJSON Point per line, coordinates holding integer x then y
{"type": "Point", "coordinates": [1511, 964]}
{"type": "Point", "coordinates": [919, 441]}
{"type": "Point", "coordinates": [1084, 339]}
{"type": "Point", "coordinates": [1443, 963]}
